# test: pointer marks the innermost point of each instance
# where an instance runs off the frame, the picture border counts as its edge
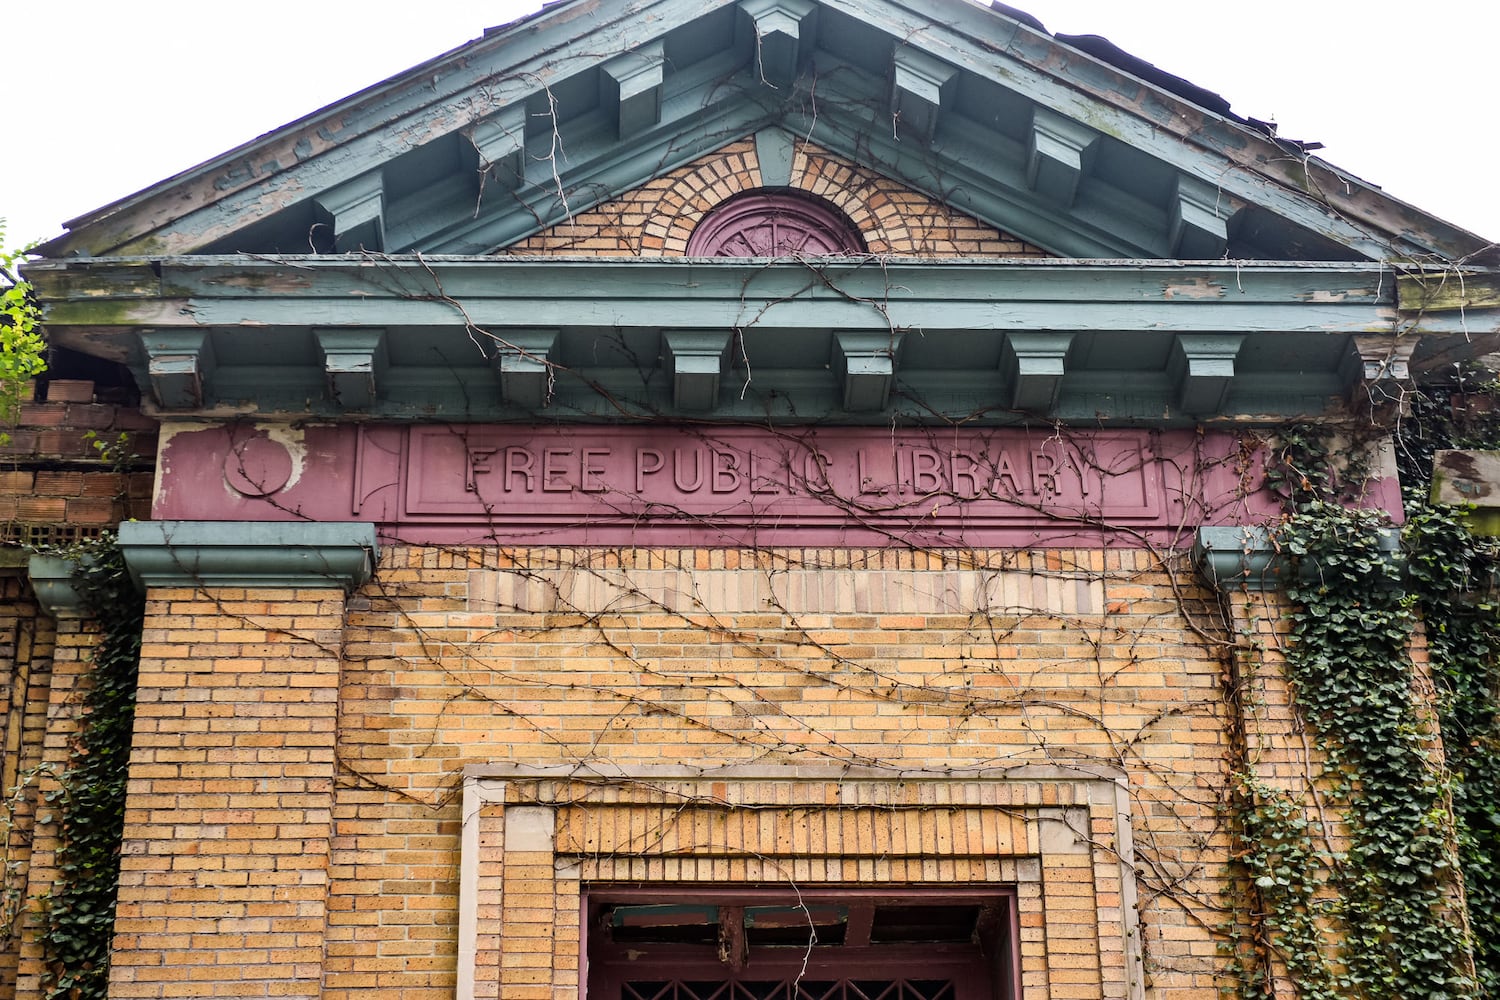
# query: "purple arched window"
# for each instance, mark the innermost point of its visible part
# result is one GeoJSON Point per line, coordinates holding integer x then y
{"type": "Point", "coordinates": [774, 224]}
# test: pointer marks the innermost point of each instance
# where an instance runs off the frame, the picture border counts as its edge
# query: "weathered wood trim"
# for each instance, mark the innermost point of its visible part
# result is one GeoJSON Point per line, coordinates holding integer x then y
{"type": "Point", "coordinates": [345, 141]}
{"type": "Point", "coordinates": [784, 30]}
{"type": "Point", "coordinates": [1061, 155]}
{"type": "Point", "coordinates": [698, 359]}
{"type": "Point", "coordinates": [1035, 364]}
{"type": "Point", "coordinates": [921, 86]}
{"type": "Point", "coordinates": [248, 554]}
{"type": "Point", "coordinates": [354, 362]}
{"type": "Point", "coordinates": [867, 362]}
{"type": "Point", "coordinates": [523, 364]}
{"type": "Point", "coordinates": [631, 84]}
{"type": "Point", "coordinates": [1203, 368]}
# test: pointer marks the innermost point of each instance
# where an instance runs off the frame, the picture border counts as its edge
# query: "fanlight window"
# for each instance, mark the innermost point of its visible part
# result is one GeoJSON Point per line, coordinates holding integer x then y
{"type": "Point", "coordinates": [774, 224]}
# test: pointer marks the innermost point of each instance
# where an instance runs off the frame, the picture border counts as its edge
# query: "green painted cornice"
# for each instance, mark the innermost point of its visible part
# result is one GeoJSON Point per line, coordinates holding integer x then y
{"type": "Point", "coordinates": [1047, 142]}
{"type": "Point", "coordinates": [296, 554]}
{"type": "Point", "coordinates": [848, 339]}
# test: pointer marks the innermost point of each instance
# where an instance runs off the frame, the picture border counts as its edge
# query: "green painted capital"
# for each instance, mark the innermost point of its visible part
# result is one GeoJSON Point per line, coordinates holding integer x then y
{"type": "Point", "coordinates": [52, 582]}
{"type": "Point", "coordinates": [1237, 557]}
{"type": "Point", "coordinates": [1248, 557]}
{"type": "Point", "coordinates": [248, 553]}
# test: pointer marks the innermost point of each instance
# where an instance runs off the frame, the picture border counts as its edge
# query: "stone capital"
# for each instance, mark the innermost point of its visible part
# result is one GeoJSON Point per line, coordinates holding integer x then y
{"type": "Point", "coordinates": [249, 553]}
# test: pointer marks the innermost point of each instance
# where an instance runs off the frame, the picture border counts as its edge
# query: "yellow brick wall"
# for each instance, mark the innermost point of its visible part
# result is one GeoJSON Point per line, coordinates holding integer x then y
{"type": "Point", "coordinates": [225, 861]}
{"type": "Point", "coordinates": [58, 716]}
{"type": "Point", "coordinates": [657, 218]}
{"type": "Point", "coordinates": [28, 639]}
{"type": "Point", "coordinates": [296, 794]}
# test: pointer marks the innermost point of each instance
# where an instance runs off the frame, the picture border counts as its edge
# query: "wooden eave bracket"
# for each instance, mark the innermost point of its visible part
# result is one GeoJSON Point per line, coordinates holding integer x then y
{"type": "Point", "coordinates": [782, 30]}
{"type": "Point", "coordinates": [1378, 367]}
{"type": "Point", "coordinates": [358, 210]}
{"type": "Point", "coordinates": [354, 362]}
{"type": "Point", "coordinates": [500, 141]}
{"type": "Point", "coordinates": [1202, 369]}
{"type": "Point", "coordinates": [1061, 155]}
{"type": "Point", "coordinates": [697, 359]}
{"type": "Point", "coordinates": [524, 367]}
{"type": "Point", "coordinates": [920, 87]}
{"type": "Point", "coordinates": [632, 84]}
{"type": "Point", "coordinates": [866, 361]}
{"type": "Point", "coordinates": [1034, 364]}
{"type": "Point", "coordinates": [180, 364]}
{"type": "Point", "coordinates": [1201, 212]}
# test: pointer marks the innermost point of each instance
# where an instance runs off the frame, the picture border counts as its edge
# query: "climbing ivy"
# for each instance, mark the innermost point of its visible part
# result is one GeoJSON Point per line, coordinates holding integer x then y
{"type": "Point", "coordinates": [90, 799]}
{"type": "Point", "coordinates": [1409, 903]}
{"type": "Point", "coordinates": [1352, 627]}
{"type": "Point", "coordinates": [1286, 875]}
{"type": "Point", "coordinates": [1453, 575]}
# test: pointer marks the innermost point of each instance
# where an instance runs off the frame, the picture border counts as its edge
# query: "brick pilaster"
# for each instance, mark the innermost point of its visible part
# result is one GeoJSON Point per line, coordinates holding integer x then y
{"type": "Point", "coordinates": [225, 856]}
{"type": "Point", "coordinates": [224, 873]}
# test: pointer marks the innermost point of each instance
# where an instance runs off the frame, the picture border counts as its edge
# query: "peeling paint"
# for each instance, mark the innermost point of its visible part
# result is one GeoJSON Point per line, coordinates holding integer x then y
{"type": "Point", "coordinates": [1196, 288]}
{"type": "Point", "coordinates": [263, 281]}
{"type": "Point", "coordinates": [164, 435]}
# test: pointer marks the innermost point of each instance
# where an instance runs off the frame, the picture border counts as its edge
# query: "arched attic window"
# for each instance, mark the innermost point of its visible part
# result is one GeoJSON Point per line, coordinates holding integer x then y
{"type": "Point", "coordinates": [774, 224]}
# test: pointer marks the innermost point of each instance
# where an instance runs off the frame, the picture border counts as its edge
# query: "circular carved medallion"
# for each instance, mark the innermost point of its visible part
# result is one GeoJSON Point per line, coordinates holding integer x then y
{"type": "Point", "coordinates": [257, 467]}
{"type": "Point", "coordinates": [766, 224]}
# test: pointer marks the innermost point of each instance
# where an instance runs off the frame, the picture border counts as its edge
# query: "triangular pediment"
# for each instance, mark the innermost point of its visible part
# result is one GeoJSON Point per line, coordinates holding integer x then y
{"type": "Point", "coordinates": [553, 115]}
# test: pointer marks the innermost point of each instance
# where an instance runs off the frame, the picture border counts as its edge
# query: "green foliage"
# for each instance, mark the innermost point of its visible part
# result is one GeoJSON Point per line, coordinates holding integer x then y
{"type": "Point", "coordinates": [1455, 573]}
{"type": "Point", "coordinates": [1418, 810]}
{"type": "Point", "coordinates": [22, 350]}
{"type": "Point", "coordinates": [1404, 936]}
{"type": "Point", "coordinates": [1453, 576]}
{"type": "Point", "coordinates": [90, 801]}
{"type": "Point", "coordinates": [1285, 873]}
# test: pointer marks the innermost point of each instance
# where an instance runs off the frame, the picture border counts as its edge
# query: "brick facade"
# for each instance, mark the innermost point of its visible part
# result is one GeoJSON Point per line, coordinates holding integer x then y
{"type": "Point", "coordinates": [409, 789]}
{"type": "Point", "coordinates": [279, 729]}
{"type": "Point", "coordinates": [657, 218]}
{"type": "Point", "coordinates": [234, 755]}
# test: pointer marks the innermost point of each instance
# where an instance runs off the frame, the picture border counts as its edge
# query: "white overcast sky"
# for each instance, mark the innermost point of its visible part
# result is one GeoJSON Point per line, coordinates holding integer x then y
{"type": "Point", "coordinates": [106, 97]}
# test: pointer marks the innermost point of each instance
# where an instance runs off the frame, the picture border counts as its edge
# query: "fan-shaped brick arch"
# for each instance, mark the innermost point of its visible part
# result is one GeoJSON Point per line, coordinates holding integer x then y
{"type": "Point", "coordinates": [658, 218]}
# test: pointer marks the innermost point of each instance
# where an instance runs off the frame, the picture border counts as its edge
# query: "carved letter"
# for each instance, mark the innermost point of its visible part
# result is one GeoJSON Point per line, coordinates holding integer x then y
{"type": "Point", "coordinates": [520, 462]}
{"type": "Point", "coordinates": [965, 467]}
{"type": "Point", "coordinates": [697, 482]}
{"type": "Point", "coordinates": [867, 481]}
{"type": "Point", "coordinates": [815, 471]}
{"type": "Point", "coordinates": [1076, 461]}
{"type": "Point", "coordinates": [760, 481]}
{"type": "Point", "coordinates": [1004, 470]}
{"type": "Point", "coordinates": [726, 476]}
{"type": "Point", "coordinates": [554, 473]}
{"type": "Point", "coordinates": [478, 461]}
{"type": "Point", "coordinates": [1044, 474]}
{"type": "Point", "coordinates": [926, 475]}
{"type": "Point", "coordinates": [592, 478]}
{"type": "Point", "coordinates": [647, 462]}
